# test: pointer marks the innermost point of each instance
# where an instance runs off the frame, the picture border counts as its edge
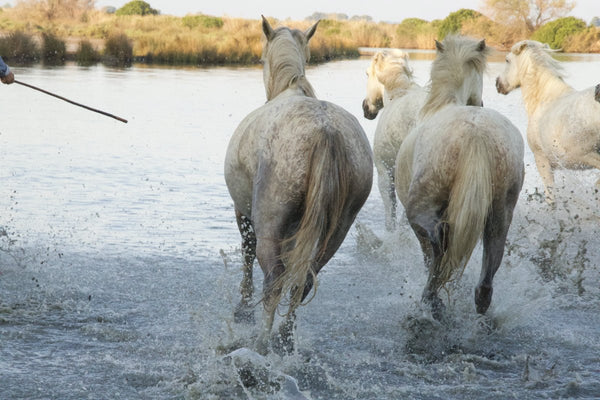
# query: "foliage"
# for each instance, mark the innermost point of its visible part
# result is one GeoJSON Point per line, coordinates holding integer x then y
{"type": "Point", "coordinates": [54, 50]}
{"type": "Point", "coordinates": [556, 32]}
{"type": "Point", "coordinates": [19, 47]}
{"type": "Point", "coordinates": [454, 21]}
{"type": "Point", "coordinates": [584, 41]}
{"type": "Point", "coordinates": [414, 33]}
{"type": "Point", "coordinates": [86, 54]}
{"type": "Point", "coordinates": [206, 21]}
{"type": "Point", "coordinates": [118, 51]}
{"type": "Point", "coordinates": [527, 15]}
{"type": "Point", "coordinates": [136, 7]}
{"type": "Point", "coordinates": [52, 10]}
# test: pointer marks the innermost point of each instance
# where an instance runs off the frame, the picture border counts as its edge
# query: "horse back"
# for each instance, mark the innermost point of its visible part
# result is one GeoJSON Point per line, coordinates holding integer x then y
{"type": "Point", "coordinates": [273, 145]}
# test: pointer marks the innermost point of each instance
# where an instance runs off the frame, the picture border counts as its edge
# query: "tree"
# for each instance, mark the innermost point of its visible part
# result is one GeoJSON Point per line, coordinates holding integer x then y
{"type": "Point", "coordinates": [556, 32]}
{"type": "Point", "coordinates": [454, 22]}
{"type": "Point", "coordinates": [527, 15]}
{"type": "Point", "coordinates": [136, 7]}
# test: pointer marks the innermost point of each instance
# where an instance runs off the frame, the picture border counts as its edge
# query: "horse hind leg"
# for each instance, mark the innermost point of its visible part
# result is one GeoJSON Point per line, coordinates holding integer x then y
{"type": "Point", "coordinates": [268, 252]}
{"type": "Point", "coordinates": [244, 311]}
{"type": "Point", "coordinates": [433, 235]}
{"type": "Point", "coordinates": [387, 190]}
{"type": "Point", "coordinates": [494, 239]}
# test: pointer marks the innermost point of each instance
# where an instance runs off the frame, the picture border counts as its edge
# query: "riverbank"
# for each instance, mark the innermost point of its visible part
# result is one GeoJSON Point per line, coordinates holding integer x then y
{"type": "Point", "coordinates": [208, 40]}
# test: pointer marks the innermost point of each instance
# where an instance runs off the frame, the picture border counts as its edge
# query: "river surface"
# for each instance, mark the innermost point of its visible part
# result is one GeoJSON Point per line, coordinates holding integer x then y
{"type": "Point", "coordinates": [120, 260]}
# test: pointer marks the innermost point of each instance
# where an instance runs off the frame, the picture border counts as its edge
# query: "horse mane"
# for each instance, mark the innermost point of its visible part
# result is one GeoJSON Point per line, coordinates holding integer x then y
{"type": "Point", "coordinates": [397, 75]}
{"type": "Point", "coordinates": [539, 55]}
{"type": "Point", "coordinates": [447, 70]}
{"type": "Point", "coordinates": [286, 61]}
{"type": "Point", "coordinates": [545, 74]}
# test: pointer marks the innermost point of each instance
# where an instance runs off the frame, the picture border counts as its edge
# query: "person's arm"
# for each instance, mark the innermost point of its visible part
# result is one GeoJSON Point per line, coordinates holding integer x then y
{"type": "Point", "coordinates": [6, 75]}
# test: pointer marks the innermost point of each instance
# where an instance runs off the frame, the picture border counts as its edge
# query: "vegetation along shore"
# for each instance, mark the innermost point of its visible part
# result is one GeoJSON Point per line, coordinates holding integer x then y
{"type": "Point", "coordinates": [56, 31]}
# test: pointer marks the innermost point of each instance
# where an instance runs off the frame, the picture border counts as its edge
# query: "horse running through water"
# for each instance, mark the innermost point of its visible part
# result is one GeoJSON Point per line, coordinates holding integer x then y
{"type": "Point", "coordinates": [459, 173]}
{"type": "Point", "coordinates": [298, 170]}
{"type": "Point", "coordinates": [390, 85]}
{"type": "Point", "coordinates": [564, 124]}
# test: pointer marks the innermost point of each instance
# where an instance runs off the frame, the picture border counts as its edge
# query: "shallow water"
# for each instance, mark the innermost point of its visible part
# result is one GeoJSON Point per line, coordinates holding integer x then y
{"type": "Point", "coordinates": [120, 265]}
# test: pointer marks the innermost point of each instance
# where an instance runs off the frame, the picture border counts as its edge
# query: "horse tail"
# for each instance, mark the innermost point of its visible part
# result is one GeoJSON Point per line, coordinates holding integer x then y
{"type": "Point", "coordinates": [469, 205]}
{"type": "Point", "coordinates": [597, 93]}
{"type": "Point", "coordinates": [328, 190]}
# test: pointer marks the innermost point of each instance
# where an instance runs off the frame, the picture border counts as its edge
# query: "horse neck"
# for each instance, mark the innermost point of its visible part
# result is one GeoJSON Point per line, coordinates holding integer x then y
{"type": "Point", "coordinates": [542, 86]}
{"type": "Point", "coordinates": [287, 71]}
{"type": "Point", "coordinates": [437, 99]}
{"type": "Point", "coordinates": [392, 93]}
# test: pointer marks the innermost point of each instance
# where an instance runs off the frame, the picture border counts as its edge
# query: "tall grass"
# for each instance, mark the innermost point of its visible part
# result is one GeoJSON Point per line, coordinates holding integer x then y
{"type": "Point", "coordinates": [54, 50]}
{"type": "Point", "coordinates": [19, 47]}
{"type": "Point", "coordinates": [207, 40]}
{"type": "Point", "coordinates": [86, 54]}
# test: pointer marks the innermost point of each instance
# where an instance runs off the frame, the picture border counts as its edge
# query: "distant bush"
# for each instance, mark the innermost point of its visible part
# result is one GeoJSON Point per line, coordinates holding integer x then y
{"type": "Point", "coordinates": [413, 33]}
{"type": "Point", "coordinates": [556, 32]}
{"type": "Point", "coordinates": [86, 54]}
{"type": "Point", "coordinates": [19, 47]}
{"type": "Point", "coordinates": [454, 21]}
{"type": "Point", "coordinates": [118, 51]}
{"type": "Point", "coordinates": [206, 21]}
{"type": "Point", "coordinates": [136, 7]}
{"type": "Point", "coordinates": [584, 41]}
{"type": "Point", "coordinates": [53, 50]}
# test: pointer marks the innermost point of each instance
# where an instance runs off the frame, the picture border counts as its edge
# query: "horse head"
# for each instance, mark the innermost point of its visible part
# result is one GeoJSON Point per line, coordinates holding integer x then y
{"type": "Point", "coordinates": [388, 71]}
{"type": "Point", "coordinates": [519, 60]}
{"type": "Point", "coordinates": [284, 57]}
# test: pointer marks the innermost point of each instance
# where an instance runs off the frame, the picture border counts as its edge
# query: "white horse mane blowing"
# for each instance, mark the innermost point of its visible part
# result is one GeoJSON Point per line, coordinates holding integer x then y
{"type": "Point", "coordinates": [564, 124]}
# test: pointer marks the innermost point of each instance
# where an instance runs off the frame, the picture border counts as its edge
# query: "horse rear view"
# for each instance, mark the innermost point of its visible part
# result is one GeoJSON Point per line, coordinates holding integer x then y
{"type": "Point", "coordinates": [564, 124]}
{"type": "Point", "coordinates": [298, 171]}
{"type": "Point", "coordinates": [390, 85]}
{"type": "Point", "coordinates": [459, 173]}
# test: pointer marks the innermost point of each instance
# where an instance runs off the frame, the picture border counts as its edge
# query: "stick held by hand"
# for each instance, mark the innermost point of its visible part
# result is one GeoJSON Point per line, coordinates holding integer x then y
{"type": "Point", "coordinates": [71, 101]}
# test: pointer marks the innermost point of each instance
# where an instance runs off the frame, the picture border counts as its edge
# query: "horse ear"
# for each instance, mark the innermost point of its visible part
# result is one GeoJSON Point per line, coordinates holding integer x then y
{"type": "Point", "coordinates": [481, 45]}
{"type": "Point", "coordinates": [267, 28]}
{"type": "Point", "coordinates": [311, 31]}
{"type": "Point", "coordinates": [518, 49]}
{"type": "Point", "coordinates": [439, 46]}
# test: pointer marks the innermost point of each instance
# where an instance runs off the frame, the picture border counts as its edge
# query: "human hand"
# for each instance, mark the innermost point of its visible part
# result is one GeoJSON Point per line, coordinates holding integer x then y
{"type": "Point", "coordinates": [8, 78]}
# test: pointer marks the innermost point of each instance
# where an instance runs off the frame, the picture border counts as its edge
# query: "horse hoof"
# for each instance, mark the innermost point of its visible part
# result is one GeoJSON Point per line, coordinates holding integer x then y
{"type": "Point", "coordinates": [438, 308]}
{"type": "Point", "coordinates": [483, 298]}
{"type": "Point", "coordinates": [243, 314]}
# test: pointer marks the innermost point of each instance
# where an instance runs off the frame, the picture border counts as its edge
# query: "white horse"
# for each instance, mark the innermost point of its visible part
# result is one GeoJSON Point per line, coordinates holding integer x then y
{"type": "Point", "coordinates": [459, 172]}
{"type": "Point", "coordinates": [564, 124]}
{"type": "Point", "coordinates": [298, 170]}
{"type": "Point", "coordinates": [390, 85]}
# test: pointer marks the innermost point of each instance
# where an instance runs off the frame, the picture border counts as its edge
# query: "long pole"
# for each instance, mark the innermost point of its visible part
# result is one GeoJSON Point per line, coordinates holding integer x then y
{"type": "Point", "coordinates": [71, 101]}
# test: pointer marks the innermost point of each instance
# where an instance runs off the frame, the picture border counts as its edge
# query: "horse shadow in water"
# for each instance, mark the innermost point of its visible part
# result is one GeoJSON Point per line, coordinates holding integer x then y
{"type": "Point", "coordinates": [564, 124]}
{"type": "Point", "coordinates": [459, 173]}
{"type": "Point", "coordinates": [298, 170]}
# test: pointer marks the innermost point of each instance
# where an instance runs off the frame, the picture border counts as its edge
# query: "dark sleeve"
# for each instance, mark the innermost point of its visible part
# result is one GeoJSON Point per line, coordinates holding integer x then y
{"type": "Point", "coordinates": [3, 68]}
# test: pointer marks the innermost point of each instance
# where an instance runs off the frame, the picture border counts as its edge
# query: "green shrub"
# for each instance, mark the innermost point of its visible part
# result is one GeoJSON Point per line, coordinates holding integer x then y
{"type": "Point", "coordinates": [118, 51]}
{"type": "Point", "coordinates": [193, 21]}
{"type": "Point", "coordinates": [53, 50]}
{"type": "Point", "coordinates": [136, 7]}
{"type": "Point", "coordinates": [19, 47]}
{"type": "Point", "coordinates": [86, 54]}
{"type": "Point", "coordinates": [556, 32]}
{"type": "Point", "coordinates": [454, 21]}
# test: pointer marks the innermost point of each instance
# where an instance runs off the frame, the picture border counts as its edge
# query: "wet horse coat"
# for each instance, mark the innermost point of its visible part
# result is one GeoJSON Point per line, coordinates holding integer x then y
{"type": "Point", "coordinates": [459, 173]}
{"type": "Point", "coordinates": [298, 170]}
